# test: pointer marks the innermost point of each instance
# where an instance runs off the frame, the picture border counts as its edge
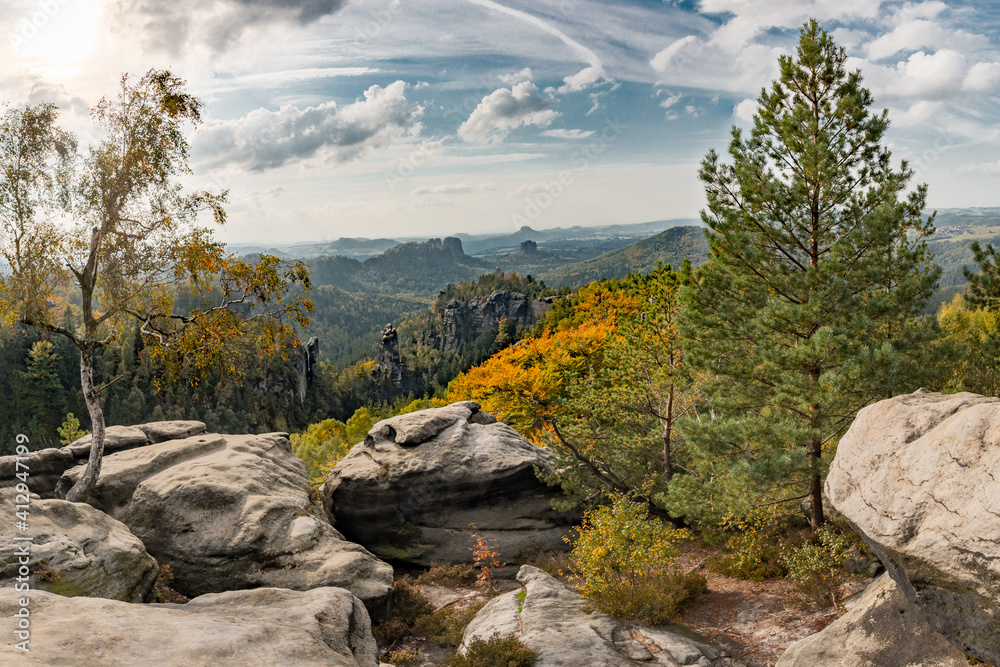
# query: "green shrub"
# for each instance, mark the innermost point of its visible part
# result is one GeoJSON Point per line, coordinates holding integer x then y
{"type": "Point", "coordinates": [454, 575]}
{"type": "Point", "coordinates": [405, 657]}
{"type": "Point", "coordinates": [817, 567]}
{"type": "Point", "coordinates": [409, 605]}
{"type": "Point", "coordinates": [496, 651]}
{"type": "Point", "coordinates": [754, 552]}
{"type": "Point", "coordinates": [623, 561]}
{"type": "Point", "coordinates": [535, 554]}
{"type": "Point", "coordinates": [446, 626]}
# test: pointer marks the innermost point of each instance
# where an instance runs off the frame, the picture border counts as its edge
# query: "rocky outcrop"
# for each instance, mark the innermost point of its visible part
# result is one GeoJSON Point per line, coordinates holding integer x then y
{"type": "Point", "coordinates": [388, 364]}
{"type": "Point", "coordinates": [454, 244]}
{"type": "Point", "coordinates": [528, 247]}
{"type": "Point", "coordinates": [73, 549]}
{"type": "Point", "coordinates": [47, 465]}
{"type": "Point", "coordinates": [881, 629]}
{"type": "Point", "coordinates": [266, 626]}
{"type": "Point", "coordinates": [547, 617]}
{"type": "Point", "coordinates": [413, 488]}
{"type": "Point", "coordinates": [464, 323]}
{"type": "Point", "coordinates": [916, 476]}
{"type": "Point", "coordinates": [229, 512]}
{"type": "Point", "coordinates": [306, 359]}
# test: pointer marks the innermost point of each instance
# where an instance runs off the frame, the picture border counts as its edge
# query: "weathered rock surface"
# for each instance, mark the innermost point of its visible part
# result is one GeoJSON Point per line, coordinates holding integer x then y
{"type": "Point", "coordinates": [262, 627]}
{"type": "Point", "coordinates": [882, 629]}
{"type": "Point", "coordinates": [228, 512]}
{"type": "Point", "coordinates": [551, 622]}
{"type": "Point", "coordinates": [917, 475]}
{"type": "Point", "coordinates": [81, 550]}
{"type": "Point", "coordinates": [465, 322]}
{"type": "Point", "coordinates": [47, 465]}
{"type": "Point", "coordinates": [411, 491]}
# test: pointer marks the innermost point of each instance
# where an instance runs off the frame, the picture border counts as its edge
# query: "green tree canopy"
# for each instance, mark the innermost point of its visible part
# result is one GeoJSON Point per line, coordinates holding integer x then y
{"type": "Point", "coordinates": [817, 270]}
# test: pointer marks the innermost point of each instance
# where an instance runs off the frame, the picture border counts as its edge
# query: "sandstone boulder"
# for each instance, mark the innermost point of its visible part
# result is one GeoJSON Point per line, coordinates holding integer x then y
{"type": "Point", "coordinates": [266, 626]}
{"type": "Point", "coordinates": [229, 512]}
{"type": "Point", "coordinates": [916, 476]}
{"type": "Point", "coordinates": [47, 465]}
{"type": "Point", "coordinates": [412, 490]}
{"type": "Point", "coordinates": [882, 629]}
{"type": "Point", "coordinates": [547, 617]}
{"type": "Point", "coordinates": [75, 550]}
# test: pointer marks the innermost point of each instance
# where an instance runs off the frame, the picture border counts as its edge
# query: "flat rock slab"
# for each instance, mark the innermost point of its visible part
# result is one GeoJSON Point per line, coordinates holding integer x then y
{"type": "Point", "coordinates": [230, 512]}
{"type": "Point", "coordinates": [882, 629]}
{"type": "Point", "coordinates": [262, 627]}
{"type": "Point", "coordinates": [548, 617]}
{"type": "Point", "coordinates": [78, 549]}
{"type": "Point", "coordinates": [47, 465]}
{"type": "Point", "coordinates": [415, 488]}
{"type": "Point", "coordinates": [917, 476]}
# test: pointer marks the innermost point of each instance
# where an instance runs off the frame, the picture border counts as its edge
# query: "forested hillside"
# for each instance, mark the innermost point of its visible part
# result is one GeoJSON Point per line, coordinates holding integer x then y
{"type": "Point", "coordinates": [670, 247]}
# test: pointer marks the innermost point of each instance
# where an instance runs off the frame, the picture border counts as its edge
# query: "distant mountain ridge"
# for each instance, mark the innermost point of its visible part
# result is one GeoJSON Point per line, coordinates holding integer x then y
{"type": "Point", "coordinates": [672, 247]}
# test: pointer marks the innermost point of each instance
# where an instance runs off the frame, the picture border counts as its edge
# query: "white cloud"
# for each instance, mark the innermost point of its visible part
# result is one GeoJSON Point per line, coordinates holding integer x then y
{"type": "Point", "coordinates": [752, 18]}
{"type": "Point", "coordinates": [984, 169]}
{"type": "Point", "coordinates": [662, 60]}
{"type": "Point", "coordinates": [506, 109]}
{"type": "Point", "coordinates": [516, 77]}
{"type": "Point", "coordinates": [918, 113]}
{"type": "Point", "coordinates": [444, 189]}
{"type": "Point", "coordinates": [582, 80]}
{"type": "Point", "coordinates": [172, 26]}
{"type": "Point", "coordinates": [266, 139]}
{"type": "Point", "coordinates": [567, 134]}
{"type": "Point", "coordinates": [983, 78]}
{"type": "Point", "coordinates": [671, 101]}
{"type": "Point", "coordinates": [746, 110]}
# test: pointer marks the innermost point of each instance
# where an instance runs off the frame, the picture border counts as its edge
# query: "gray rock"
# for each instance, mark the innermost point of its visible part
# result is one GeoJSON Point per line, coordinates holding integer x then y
{"type": "Point", "coordinates": [229, 512]}
{"type": "Point", "coordinates": [916, 476]}
{"type": "Point", "coordinates": [412, 490]}
{"type": "Point", "coordinates": [86, 551]}
{"type": "Point", "coordinates": [266, 626]}
{"type": "Point", "coordinates": [171, 430]}
{"type": "Point", "coordinates": [463, 323]}
{"type": "Point", "coordinates": [48, 465]}
{"type": "Point", "coordinates": [882, 629]}
{"type": "Point", "coordinates": [550, 620]}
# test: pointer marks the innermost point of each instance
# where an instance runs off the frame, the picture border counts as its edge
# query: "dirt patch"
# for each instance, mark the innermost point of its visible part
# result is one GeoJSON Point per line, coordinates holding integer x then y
{"type": "Point", "coordinates": [756, 620]}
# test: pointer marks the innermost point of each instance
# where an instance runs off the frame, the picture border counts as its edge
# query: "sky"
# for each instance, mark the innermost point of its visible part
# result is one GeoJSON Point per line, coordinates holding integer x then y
{"type": "Point", "coordinates": [396, 118]}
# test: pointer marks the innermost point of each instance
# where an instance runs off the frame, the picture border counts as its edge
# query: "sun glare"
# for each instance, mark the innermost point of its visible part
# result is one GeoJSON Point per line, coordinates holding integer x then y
{"type": "Point", "coordinates": [54, 37]}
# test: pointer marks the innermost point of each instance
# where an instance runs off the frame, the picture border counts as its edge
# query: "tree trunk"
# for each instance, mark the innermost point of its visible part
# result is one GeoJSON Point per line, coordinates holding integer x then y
{"type": "Point", "coordinates": [816, 483]}
{"type": "Point", "coordinates": [83, 487]}
{"type": "Point", "coordinates": [668, 429]}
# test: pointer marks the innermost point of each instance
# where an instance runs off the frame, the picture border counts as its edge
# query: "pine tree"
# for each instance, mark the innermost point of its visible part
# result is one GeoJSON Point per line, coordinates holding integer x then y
{"type": "Point", "coordinates": [817, 270]}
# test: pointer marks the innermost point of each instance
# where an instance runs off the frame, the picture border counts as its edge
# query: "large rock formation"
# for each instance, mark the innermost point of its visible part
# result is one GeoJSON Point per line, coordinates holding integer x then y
{"type": "Point", "coordinates": [73, 549]}
{"type": "Point", "coordinates": [306, 358]}
{"type": "Point", "coordinates": [465, 322]}
{"type": "Point", "coordinates": [389, 364]}
{"type": "Point", "coordinates": [412, 490]}
{"type": "Point", "coordinates": [229, 512]}
{"type": "Point", "coordinates": [266, 626]}
{"type": "Point", "coordinates": [47, 465]}
{"type": "Point", "coordinates": [916, 476]}
{"type": "Point", "coordinates": [547, 617]}
{"type": "Point", "coordinates": [881, 629]}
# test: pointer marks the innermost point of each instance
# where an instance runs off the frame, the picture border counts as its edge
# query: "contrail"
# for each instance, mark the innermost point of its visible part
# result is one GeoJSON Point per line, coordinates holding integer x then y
{"type": "Point", "coordinates": [586, 53]}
